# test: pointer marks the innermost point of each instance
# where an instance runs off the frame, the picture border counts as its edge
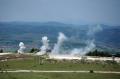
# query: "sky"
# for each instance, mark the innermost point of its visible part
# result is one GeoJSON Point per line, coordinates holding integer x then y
{"type": "Point", "coordinates": [66, 11]}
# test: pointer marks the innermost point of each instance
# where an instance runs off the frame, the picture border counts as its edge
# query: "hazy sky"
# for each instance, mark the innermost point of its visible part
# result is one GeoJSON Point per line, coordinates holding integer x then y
{"type": "Point", "coordinates": [67, 11]}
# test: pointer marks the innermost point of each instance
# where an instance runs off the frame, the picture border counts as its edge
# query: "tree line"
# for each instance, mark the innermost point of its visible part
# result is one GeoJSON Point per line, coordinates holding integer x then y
{"type": "Point", "coordinates": [102, 53]}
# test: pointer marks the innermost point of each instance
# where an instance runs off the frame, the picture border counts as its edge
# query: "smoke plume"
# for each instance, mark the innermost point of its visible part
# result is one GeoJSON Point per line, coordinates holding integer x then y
{"type": "Point", "coordinates": [45, 46]}
{"type": "Point", "coordinates": [60, 41]}
{"type": "Point", "coordinates": [93, 29]}
{"type": "Point", "coordinates": [22, 48]}
{"type": "Point", "coordinates": [82, 51]}
{"type": "Point", "coordinates": [90, 45]}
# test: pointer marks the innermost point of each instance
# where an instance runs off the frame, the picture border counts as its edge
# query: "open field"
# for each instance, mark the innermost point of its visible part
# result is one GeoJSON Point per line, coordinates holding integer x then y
{"type": "Point", "coordinates": [58, 76]}
{"type": "Point", "coordinates": [29, 63]}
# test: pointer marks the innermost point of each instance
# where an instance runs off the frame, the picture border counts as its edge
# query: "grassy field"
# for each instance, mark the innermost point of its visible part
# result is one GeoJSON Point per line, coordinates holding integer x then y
{"type": "Point", "coordinates": [31, 64]}
{"type": "Point", "coordinates": [58, 76]}
{"type": "Point", "coordinates": [63, 65]}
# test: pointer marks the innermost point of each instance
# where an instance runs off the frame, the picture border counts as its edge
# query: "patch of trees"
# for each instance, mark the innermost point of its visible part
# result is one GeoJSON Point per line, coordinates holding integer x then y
{"type": "Point", "coordinates": [117, 54]}
{"type": "Point", "coordinates": [34, 50]}
{"type": "Point", "coordinates": [1, 50]}
{"type": "Point", "coordinates": [99, 53]}
{"type": "Point", "coordinates": [102, 53]}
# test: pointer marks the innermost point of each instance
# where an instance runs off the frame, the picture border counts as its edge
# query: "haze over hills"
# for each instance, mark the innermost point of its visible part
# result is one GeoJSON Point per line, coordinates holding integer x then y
{"type": "Point", "coordinates": [11, 33]}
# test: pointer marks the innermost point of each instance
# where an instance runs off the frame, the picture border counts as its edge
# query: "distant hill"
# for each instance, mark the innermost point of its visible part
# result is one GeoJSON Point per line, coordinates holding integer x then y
{"type": "Point", "coordinates": [11, 33]}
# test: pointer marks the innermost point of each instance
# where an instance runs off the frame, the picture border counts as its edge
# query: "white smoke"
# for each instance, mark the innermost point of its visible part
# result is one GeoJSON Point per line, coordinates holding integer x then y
{"type": "Point", "coordinates": [94, 29]}
{"type": "Point", "coordinates": [22, 48]}
{"type": "Point", "coordinates": [60, 41]}
{"type": "Point", "coordinates": [45, 46]}
{"type": "Point", "coordinates": [82, 51]}
{"type": "Point", "coordinates": [90, 45]}
{"type": "Point", "coordinates": [45, 42]}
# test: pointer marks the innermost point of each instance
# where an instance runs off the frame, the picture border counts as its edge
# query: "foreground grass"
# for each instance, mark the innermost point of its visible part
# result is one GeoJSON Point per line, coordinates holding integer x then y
{"type": "Point", "coordinates": [58, 76]}
{"type": "Point", "coordinates": [66, 65]}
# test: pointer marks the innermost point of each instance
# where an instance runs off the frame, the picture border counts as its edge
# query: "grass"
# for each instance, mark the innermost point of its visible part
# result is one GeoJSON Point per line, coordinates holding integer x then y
{"type": "Point", "coordinates": [58, 76]}
{"type": "Point", "coordinates": [64, 65]}
{"type": "Point", "coordinates": [61, 65]}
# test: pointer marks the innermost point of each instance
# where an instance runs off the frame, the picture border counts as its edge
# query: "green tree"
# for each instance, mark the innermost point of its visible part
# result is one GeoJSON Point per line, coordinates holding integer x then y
{"type": "Point", "coordinates": [99, 53]}
{"type": "Point", "coordinates": [1, 50]}
{"type": "Point", "coordinates": [34, 50]}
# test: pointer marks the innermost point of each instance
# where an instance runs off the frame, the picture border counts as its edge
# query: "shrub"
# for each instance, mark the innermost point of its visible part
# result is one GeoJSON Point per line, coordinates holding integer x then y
{"type": "Point", "coordinates": [34, 50]}
{"type": "Point", "coordinates": [99, 53]}
{"type": "Point", "coordinates": [91, 71]}
{"type": "Point", "coordinates": [1, 50]}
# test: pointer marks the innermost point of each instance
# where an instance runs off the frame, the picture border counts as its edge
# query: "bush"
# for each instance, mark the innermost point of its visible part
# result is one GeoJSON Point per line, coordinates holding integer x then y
{"type": "Point", "coordinates": [34, 50]}
{"type": "Point", "coordinates": [91, 71]}
{"type": "Point", "coordinates": [117, 54]}
{"type": "Point", "coordinates": [16, 51]}
{"type": "Point", "coordinates": [99, 53]}
{"type": "Point", "coordinates": [1, 50]}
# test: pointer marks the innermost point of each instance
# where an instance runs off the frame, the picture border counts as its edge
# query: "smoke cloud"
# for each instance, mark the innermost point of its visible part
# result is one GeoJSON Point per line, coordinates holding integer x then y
{"type": "Point", "coordinates": [82, 51]}
{"type": "Point", "coordinates": [45, 46]}
{"type": "Point", "coordinates": [90, 45]}
{"type": "Point", "coordinates": [45, 42]}
{"type": "Point", "coordinates": [93, 29]}
{"type": "Point", "coordinates": [60, 41]}
{"type": "Point", "coordinates": [22, 48]}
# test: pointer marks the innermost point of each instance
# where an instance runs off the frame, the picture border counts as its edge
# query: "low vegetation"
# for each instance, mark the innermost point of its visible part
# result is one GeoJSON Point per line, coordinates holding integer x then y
{"type": "Point", "coordinates": [30, 63]}
{"type": "Point", "coordinates": [102, 53]}
{"type": "Point", "coordinates": [51, 64]}
{"type": "Point", "coordinates": [34, 50]}
{"type": "Point", "coordinates": [1, 50]}
{"type": "Point", "coordinates": [58, 76]}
